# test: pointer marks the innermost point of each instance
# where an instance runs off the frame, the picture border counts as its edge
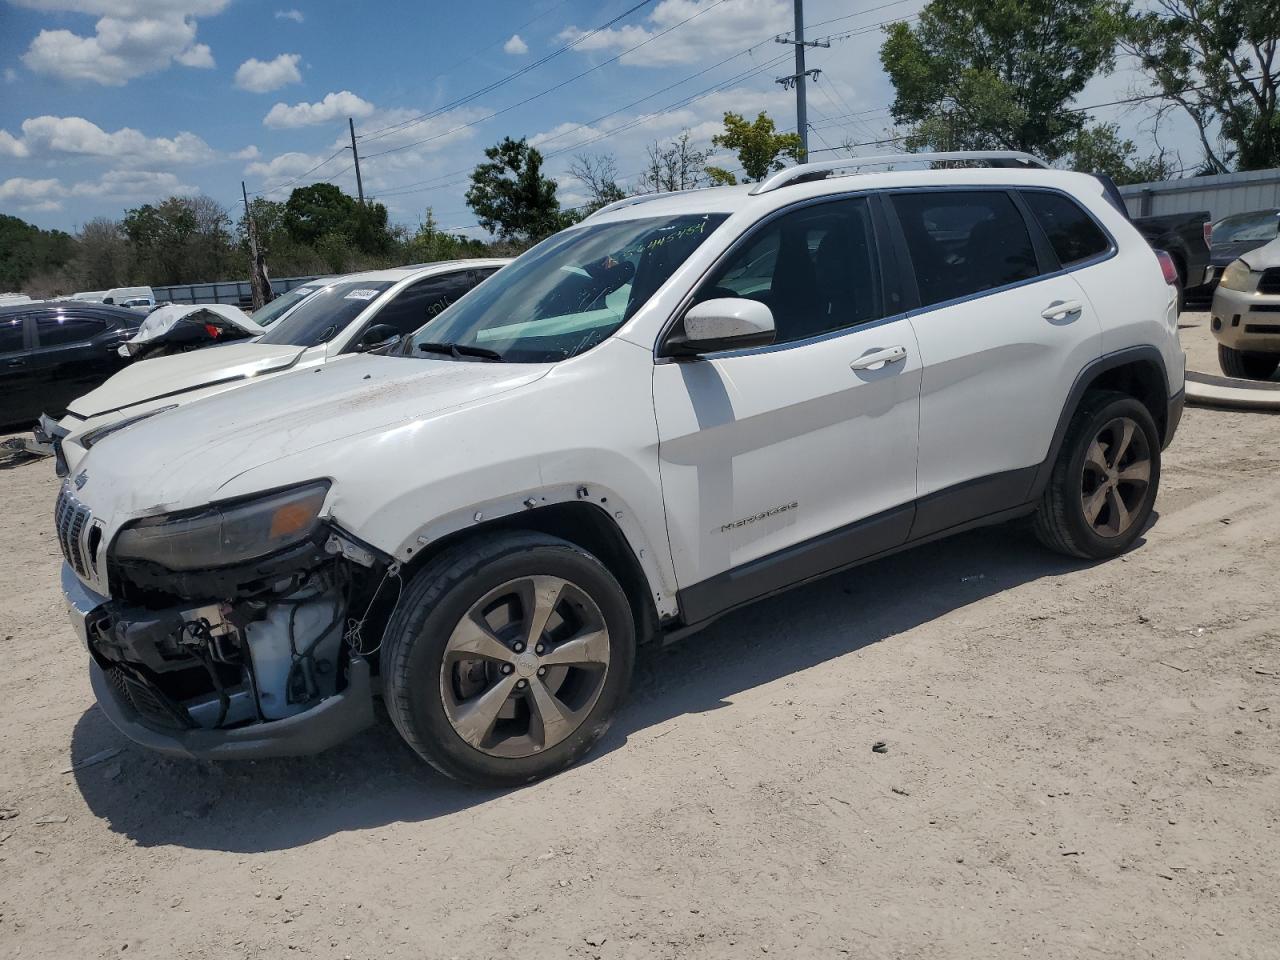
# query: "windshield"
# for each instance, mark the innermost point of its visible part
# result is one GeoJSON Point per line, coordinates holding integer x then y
{"type": "Point", "coordinates": [1253, 228]}
{"type": "Point", "coordinates": [269, 313]}
{"type": "Point", "coordinates": [326, 313]}
{"type": "Point", "coordinates": [571, 291]}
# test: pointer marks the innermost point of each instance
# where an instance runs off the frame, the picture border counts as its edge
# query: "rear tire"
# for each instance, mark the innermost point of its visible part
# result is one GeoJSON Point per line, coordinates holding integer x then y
{"type": "Point", "coordinates": [508, 657]}
{"type": "Point", "coordinates": [1105, 480]}
{"type": "Point", "coordinates": [1246, 365]}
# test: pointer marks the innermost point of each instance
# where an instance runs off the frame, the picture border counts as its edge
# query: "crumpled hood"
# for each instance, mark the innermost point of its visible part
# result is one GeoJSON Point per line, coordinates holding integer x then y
{"type": "Point", "coordinates": [1263, 257]}
{"type": "Point", "coordinates": [183, 372]}
{"type": "Point", "coordinates": [164, 320]}
{"type": "Point", "coordinates": [182, 458]}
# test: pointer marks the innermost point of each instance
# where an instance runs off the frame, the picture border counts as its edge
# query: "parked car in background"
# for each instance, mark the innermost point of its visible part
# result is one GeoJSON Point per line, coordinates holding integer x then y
{"type": "Point", "coordinates": [1245, 317]}
{"type": "Point", "coordinates": [52, 352]}
{"type": "Point", "coordinates": [685, 403]}
{"type": "Point", "coordinates": [351, 314]}
{"type": "Point", "coordinates": [136, 298]}
{"type": "Point", "coordinates": [1185, 237]}
{"type": "Point", "coordinates": [1233, 236]}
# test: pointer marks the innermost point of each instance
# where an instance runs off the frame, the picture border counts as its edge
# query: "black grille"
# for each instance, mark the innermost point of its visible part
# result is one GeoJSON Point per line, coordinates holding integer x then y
{"type": "Point", "coordinates": [153, 707]}
{"type": "Point", "coordinates": [1270, 281]}
{"type": "Point", "coordinates": [70, 517]}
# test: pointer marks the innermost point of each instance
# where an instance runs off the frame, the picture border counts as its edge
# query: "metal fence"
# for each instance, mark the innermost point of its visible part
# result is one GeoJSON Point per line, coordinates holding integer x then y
{"type": "Point", "coordinates": [1221, 195]}
{"type": "Point", "coordinates": [236, 292]}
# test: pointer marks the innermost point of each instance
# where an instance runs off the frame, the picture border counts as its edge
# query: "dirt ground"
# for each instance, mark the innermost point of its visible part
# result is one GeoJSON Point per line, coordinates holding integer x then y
{"type": "Point", "coordinates": [1081, 762]}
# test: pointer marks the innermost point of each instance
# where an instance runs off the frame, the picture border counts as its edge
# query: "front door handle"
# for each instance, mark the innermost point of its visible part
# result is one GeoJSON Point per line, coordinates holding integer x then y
{"type": "Point", "coordinates": [1061, 309]}
{"type": "Point", "coordinates": [877, 359]}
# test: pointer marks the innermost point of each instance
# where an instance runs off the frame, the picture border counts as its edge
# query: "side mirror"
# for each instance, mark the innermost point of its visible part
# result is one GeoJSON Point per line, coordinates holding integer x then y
{"type": "Point", "coordinates": [727, 323]}
{"type": "Point", "coordinates": [378, 337]}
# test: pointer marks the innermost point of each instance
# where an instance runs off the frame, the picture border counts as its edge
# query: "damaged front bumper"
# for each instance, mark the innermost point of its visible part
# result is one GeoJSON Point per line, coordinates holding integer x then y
{"type": "Point", "coordinates": [214, 681]}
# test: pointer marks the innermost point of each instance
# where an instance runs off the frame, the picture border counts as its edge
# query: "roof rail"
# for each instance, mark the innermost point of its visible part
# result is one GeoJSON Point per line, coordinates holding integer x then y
{"type": "Point", "coordinates": [639, 198]}
{"type": "Point", "coordinates": [805, 172]}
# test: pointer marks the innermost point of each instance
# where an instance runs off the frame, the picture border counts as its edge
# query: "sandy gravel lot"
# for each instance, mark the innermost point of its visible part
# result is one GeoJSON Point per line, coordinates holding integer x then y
{"type": "Point", "coordinates": [1082, 762]}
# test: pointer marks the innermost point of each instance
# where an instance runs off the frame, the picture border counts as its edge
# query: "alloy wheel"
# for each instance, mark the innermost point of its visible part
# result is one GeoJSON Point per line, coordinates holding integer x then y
{"type": "Point", "coordinates": [525, 665]}
{"type": "Point", "coordinates": [1117, 477]}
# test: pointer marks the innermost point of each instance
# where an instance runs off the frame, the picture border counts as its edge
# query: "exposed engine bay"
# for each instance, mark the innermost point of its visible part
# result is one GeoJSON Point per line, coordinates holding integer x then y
{"type": "Point", "coordinates": [177, 328]}
{"type": "Point", "coordinates": [283, 642]}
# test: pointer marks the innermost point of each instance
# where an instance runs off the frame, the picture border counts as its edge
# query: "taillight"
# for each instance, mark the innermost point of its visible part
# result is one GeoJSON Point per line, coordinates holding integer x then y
{"type": "Point", "coordinates": [1168, 267]}
{"type": "Point", "coordinates": [1208, 234]}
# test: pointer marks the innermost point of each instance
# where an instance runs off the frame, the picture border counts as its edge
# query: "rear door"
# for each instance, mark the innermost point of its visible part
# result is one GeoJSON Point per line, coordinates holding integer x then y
{"type": "Point", "coordinates": [1003, 332]}
{"type": "Point", "coordinates": [770, 457]}
{"type": "Point", "coordinates": [16, 380]}
{"type": "Point", "coordinates": [74, 351]}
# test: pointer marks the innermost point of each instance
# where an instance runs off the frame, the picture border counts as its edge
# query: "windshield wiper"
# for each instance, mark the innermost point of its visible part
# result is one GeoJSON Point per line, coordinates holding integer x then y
{"type": "Point", "coordinates": [459, 351]}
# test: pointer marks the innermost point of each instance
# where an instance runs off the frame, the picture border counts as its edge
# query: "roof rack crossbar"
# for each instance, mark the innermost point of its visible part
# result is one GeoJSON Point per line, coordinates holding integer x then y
{"type": "Point", "coordinates": [805, 172]}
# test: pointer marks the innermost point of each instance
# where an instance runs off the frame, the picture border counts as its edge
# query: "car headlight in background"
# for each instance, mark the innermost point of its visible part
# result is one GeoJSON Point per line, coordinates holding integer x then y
{"type": "Point", "coordinates": [1236, 276]}
{"type": "Point", "coordinates": [227, 533]}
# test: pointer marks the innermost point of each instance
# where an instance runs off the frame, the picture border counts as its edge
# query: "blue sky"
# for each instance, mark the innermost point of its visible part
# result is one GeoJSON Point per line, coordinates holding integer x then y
{"type": "Point", "coordinates": [106, 104]}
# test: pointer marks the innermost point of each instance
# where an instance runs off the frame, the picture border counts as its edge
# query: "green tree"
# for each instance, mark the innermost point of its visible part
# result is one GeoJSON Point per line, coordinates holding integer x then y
{"type": "Point", "coordinates": [321, 210]}
{"type": "Point", "coordinates": [430, 244]}
{"type": "Point", "coordinates": [759, 146]}
{"type": "Point", "coordinates": [1216, 60]}
{"type": "Point", "coordinates": [26, 250]}
{"type": "Point", "coordinates": [677, 166]}
{"type": "Point", "coordinates": [179, 240]}
{"type": "Point", "coordinates": [998, 74]}
{"type": "Point", "coordinates": [510, 195]}
{"type": "Point", "coordinates": [1101, 149]}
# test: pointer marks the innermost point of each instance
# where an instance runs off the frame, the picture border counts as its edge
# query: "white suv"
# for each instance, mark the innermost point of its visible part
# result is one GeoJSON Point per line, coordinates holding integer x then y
{"type": "Point", "coordinates": [683, 404]}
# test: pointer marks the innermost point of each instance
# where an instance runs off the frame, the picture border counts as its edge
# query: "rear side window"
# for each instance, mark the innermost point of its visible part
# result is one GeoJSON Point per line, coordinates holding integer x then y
{"type": "Point", "coordinates": [1071, 232]}
{"type": "Point", "coordinates": [423, 301]}
{"type": "Point", "coordinates": [816, 269]}
{"type": "Point", "coordinates": [964, 242]}
{"type": "Point", "coordinates": [60, 331]}
{"type": "Point", "coordinates": [10, 334]}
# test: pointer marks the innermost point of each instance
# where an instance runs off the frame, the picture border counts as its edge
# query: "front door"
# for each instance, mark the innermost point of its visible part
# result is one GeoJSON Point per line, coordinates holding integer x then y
{"type": "Point", "coordinates": [772, 457]}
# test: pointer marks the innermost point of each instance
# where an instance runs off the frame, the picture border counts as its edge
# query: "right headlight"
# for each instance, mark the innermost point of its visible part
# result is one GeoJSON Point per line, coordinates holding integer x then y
{"type": "Point", "coordinates": [1236, 276]}
{"type": "Point", "coordinates": [223, 534]}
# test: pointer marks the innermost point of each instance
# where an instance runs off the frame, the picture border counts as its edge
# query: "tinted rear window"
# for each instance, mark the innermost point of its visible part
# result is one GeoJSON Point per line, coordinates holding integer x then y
{"type": "Point", "coordinates": [1072, 233]}
{"type": "Point", "coordinates": [1247, 228]}
{"type": "Point", "coordinates": [10, 334]}
{"type": "Point", "coordinates": [963, 242]}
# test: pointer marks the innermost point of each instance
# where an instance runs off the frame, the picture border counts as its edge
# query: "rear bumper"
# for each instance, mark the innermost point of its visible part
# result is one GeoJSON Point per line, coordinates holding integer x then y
{"type": "Point", "coordinates": [329, 723]}
{"type": "Point", "coordinates": [1174, 417]}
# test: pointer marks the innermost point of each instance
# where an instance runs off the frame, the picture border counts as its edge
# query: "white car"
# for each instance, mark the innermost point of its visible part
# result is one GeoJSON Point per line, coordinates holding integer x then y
{"type": "Point", "coordinates": [348, 314]}
{"type": "Point", "coordinates": [681, 405]}
{"type": "Point", "coordinates": [1245, 316]}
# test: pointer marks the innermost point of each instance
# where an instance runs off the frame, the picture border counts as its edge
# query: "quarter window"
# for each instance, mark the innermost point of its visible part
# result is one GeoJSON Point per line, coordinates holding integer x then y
{"type": "Point", "coordinates": [964, 242]}
{"type": "Point", "coordinates": [1072, 233]}
{"type": "Point", "coordinates": [816, 269]}
{"type": "Point", "coordinates": [10, 334]}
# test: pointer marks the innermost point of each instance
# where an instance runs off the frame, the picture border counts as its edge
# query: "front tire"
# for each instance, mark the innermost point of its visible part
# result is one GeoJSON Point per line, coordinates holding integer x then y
{"type": "Point", "coordinates": [1105, 480]}
{"type": "Point", "coordinates": [1246, 365]}
{"type": "Point", "coordinates": [508, 657]}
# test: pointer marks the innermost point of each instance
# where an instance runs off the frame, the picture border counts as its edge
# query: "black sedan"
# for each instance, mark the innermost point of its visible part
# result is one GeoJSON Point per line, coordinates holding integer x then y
{"type": "Point", "coordinates": [52, 352]}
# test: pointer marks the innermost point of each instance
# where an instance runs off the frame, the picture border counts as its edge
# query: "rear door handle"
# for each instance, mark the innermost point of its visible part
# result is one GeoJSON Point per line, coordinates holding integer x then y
{"type": "Point", "coordinates": [877, 359]}
{"type": "Point", "coordinates": [1061, 309]}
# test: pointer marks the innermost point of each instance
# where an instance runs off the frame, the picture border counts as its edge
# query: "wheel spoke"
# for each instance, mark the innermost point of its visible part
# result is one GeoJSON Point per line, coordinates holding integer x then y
{"type": "Point", "coordinates": [1093, 505]}
{"type": "Point", "coordinates": [1137, 472]}
{"type": "Point", "coordinates": [1119, 512]}
{"type": "Point", "coordinates": [474, 721]}
{"type": "Point", "coordinates": [473, 638]}
{"type": "Point", "coordinates": [1095, 459]}
{"type": "Point", "coordinates": [590, 647]}
{"type": "Point", "coordinates": [557, 723]}
{"type": "Point", "coordinates": [541, 602]}
{"type": "Point", "coordinates": [1121, 446]}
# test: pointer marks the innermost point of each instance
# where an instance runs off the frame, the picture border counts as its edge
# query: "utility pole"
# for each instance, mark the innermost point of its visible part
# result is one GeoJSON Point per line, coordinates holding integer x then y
{"type": "Point", "coordinates": [797, 79]}
{"type": "Point", "coordinates": [258, 281]}
{"type": "Point", "coordinates": [359, 183]}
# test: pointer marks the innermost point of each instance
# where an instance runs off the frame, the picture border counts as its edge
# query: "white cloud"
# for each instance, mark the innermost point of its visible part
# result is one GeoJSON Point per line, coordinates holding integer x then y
{"type": "Point", "coordinates": [515, 46]}
{"type": "Point", "coordinates": [334, 106]}
{"type": "Point", "coordinates": [130, 8]}
{"type": "Point", "coordinates": [251, 152]}
{"type": "Point", "coordinates": [27, 194]}
{"type": "Point", "coordinates": [284, 166]}
{"type": "Point", "coordinates": [294, 15]}
{"type": "Point", "coordinates": [79, 137]}
{"type": "Point", "coordinates": [263, 76]}
{"type": "Point", "coordinates": [198, 55]}
{"type": "Point", "coordinates": [11, 146]}
{"type": "Point", "coordinates": [134, 185]}
{"type": "Point", "coordinates": [731, 25]}
{"type": "Point", "coordinates": [119, 50]}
